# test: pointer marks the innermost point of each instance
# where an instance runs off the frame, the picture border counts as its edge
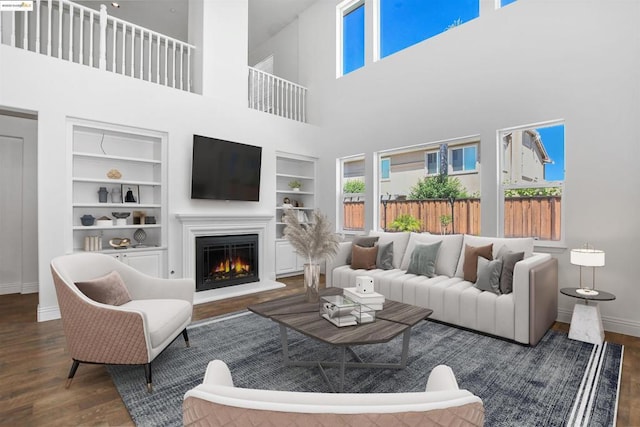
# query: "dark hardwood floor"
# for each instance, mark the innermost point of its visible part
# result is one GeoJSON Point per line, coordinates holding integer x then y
{"type": "Point", "coordinates": [34, 365]}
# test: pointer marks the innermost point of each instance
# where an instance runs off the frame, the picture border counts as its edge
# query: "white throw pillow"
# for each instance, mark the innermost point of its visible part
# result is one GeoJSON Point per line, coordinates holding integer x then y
{"type": "Point", "coordinates": [447, 255]}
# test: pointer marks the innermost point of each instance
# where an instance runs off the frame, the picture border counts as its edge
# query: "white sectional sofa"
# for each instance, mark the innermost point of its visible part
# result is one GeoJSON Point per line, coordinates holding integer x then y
{"type": "Point", "coordinates": [523, 315]}
{"type": "Point", "coordinates": [216, 402]}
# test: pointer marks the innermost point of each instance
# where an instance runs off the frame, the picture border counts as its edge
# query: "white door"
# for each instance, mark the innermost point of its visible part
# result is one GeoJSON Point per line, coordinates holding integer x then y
{"type": "Point", "coordinates": [11, 192]}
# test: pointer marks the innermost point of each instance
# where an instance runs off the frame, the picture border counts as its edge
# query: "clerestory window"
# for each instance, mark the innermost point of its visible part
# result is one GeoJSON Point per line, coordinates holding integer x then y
{"type": "Point", "coordinates": [350, 25]}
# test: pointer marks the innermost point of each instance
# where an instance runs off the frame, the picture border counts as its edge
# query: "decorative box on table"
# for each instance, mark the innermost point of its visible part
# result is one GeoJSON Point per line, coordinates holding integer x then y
{"type": "Point", "coordinates": [342, 311]}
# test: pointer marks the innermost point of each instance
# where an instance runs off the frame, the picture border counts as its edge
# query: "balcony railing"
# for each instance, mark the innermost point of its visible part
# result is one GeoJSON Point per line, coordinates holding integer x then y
{"type": "Point", "coordinates": [277, 96]}
{"type": "Point", "coordinates": [75, 33]}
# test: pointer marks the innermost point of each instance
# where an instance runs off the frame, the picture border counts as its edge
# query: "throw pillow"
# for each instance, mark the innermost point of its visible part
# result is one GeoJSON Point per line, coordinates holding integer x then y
{"type": "Point", "coordinates": [363, 241]}
{"type": "Point", "coordinates": [489, 275]}
{"type": "Point", "coordinates": [109, 289]}
{"type": "Point", "coordinates": [471, 254]}
{"type": "Point", "coordinates": [423, 259]}
{"type": "Point", "coordinates": [509, 260]}
{"type": "Point", "coordinates": [385, 256]}
{"type": "Point", "coordinates": [363, 258]}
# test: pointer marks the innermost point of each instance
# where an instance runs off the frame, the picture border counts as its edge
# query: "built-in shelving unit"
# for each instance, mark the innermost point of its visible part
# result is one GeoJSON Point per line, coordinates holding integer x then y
{"type": "Point", "coordinates": [119, 159]}
{"type": "Point", "coordinates": [292, 167]}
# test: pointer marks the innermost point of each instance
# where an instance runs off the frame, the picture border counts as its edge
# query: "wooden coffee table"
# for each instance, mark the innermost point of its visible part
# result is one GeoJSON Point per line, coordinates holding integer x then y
{"type": "Point", "coordinates": [295, 313]}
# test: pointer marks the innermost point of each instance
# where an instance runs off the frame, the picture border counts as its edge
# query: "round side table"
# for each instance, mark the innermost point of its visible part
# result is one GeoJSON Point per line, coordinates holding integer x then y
{"type": "Point", "coordinates": [586, 322]}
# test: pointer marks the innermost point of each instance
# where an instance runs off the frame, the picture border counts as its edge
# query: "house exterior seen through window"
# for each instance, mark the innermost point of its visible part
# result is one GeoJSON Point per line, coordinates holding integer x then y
{"type": "Point", "coordinates": [464, 159]}
{"type": "Point", "coordinates": [532, 180]}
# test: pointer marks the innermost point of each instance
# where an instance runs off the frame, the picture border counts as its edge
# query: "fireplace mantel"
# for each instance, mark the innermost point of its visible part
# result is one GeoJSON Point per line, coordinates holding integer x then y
{"type": "Point", "coordinates": [203, 224]}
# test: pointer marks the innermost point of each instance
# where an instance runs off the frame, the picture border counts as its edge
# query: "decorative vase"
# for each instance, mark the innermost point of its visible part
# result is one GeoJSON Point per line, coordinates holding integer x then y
{"type": "Point", "coordinates": [102, 195]}
{"type": "Point", "coordinates": [116, 195]}
{"type": "Point", "coordinates": [140, 236]}
{"type": "Point", "coordinates": [312, 282]}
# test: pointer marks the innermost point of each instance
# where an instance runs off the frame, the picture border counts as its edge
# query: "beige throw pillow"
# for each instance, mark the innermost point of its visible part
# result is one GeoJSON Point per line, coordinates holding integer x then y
{"type": "Point", "coordinates": [363, 258]}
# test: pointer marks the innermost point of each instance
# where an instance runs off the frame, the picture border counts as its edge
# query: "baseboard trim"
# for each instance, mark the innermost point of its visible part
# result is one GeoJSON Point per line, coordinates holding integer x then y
{"type": "Point", "coordinates": [610, 323]}
{"type": "Point", "coordinates": [30, 288]}
{"type": "Point", "coordinates": [48, 313]}
{"type": "Point", "coordinates": [10, 288]}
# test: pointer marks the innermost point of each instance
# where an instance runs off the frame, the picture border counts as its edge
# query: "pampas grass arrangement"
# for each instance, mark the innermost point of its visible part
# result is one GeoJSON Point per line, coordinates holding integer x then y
{"type": "Point", "coordinates": [314, 240]}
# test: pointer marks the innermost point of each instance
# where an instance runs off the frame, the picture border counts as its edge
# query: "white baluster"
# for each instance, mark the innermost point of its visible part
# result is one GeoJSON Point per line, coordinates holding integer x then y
{"type": "Point", "coordinates": [13, 29]}
{"type": "Point", "coordinates": [158, 59]}
{"type": "Point", "coordinates": [189, 69]}
{"type": "Point", "coordinates": [173, 58]}
{"type": "Point", "coordinates": [101, 45]}
{"type": "Point", "coordinates": [150, 46]}
{"type": "Point", "coordinates": [37, 26]}
{"type": "Point", "coordinates": [25, 31]}
{"type": "Point", "coordinates": [49, 11]}
{"type": "Point", "coordinates": [124, 49]}
{"type": "Point", "coordinates": [81, 37]}
{"type": "Point", "coordinates": [133, 50]}
{"type": "Point", "coordinates": [141, 54]}
{"type": "Point", "coordinates": [0, 28]}
{"type": "Point", "coordinates": [181, 69]}
{"type": "Point", "coordinates": [166, 60]}
{"type": "Point", "coordinates": [60, 12]}
{"type": "Point", "coordinates": [115, 50]}
{"type": "Point", "coordinates": [71, 32]}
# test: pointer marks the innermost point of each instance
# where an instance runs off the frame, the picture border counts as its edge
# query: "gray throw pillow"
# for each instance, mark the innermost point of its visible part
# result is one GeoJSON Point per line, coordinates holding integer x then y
{"type": "Point", "coordinates": [384, 260]}
{"type": "Point", "coordinates": [363, 241]}
{"type": "Point", "coordinates": [489, 275]}
{"type": "Point", "coordinates": [509, 260]}
{"type": "Point", "coordinates": [423, 259]}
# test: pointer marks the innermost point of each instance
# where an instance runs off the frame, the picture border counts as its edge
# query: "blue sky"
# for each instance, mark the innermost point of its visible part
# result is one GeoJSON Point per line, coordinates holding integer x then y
{"type": "Point", "coordinates": [553, 140]}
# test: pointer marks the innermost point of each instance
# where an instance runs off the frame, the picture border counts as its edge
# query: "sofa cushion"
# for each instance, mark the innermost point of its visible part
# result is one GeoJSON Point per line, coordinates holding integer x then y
{"type": "Point", "coordinates": [108, 289]}
{"type": "Point", "coordinates": [524, 244]}
{"type": "Point", "coordinates": [471, 255]}
{"type": "Point", "coordinates": [384, 260]}
{"type": "Point", "coordinates": [447, 255]}
{"type": "Point", "coordinates": [364, 258]}
{"type": "Point", "coordinates": [363, 241]}
{"type": "Point", "coordinates": [509, 260]}
{"type": "Point", "coordinates": [399, 240]}
{"type": "Point", "coordinates": [423, 259]}
{"type": "Point", "coordinates": [489, 275]}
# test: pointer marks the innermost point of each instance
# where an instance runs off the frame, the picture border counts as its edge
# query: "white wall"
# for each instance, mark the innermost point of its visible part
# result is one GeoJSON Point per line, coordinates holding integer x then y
{"type": "Point", "coordinates": [530, 62]}
{"type": "Point", "coordinates": [72, 90]}
{"type": "Point", "coordinates": [284, 48]}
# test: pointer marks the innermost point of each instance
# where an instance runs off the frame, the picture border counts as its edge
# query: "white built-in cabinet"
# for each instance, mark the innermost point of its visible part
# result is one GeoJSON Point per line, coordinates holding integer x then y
{"type": "Point", "coordinates": [292, 167]}
{"type": "Point", "coordinates": [117, 157]}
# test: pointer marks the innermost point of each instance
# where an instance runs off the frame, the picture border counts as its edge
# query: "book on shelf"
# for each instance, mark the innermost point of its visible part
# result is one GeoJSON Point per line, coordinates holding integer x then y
{"type": "Point", "coordinates": [367, 299]}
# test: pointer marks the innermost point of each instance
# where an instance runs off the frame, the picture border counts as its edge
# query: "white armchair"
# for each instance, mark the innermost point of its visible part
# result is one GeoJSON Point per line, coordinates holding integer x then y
{"type": "Point", "coordinates": [132, 333]}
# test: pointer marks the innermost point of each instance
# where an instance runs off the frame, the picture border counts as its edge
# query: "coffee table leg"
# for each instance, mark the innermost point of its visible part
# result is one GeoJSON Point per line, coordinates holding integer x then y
{"type": "Point", "coordinates": [406, 335]}
{"type": "Point", "coordinates": [285, 344]}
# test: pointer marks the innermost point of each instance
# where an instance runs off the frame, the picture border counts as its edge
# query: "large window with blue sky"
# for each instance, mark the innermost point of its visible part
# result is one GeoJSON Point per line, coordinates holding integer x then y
{"type": "Point", "coordinates": [532, 181]}
{"type": "Point", "coordinates": [351, 19]}
{"type": "Point", "coordinates": [404, 23]}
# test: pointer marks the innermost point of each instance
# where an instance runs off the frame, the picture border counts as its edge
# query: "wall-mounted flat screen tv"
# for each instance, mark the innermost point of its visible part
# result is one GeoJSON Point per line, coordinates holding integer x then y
{"type": "Point", "coordinates": [225, 170]}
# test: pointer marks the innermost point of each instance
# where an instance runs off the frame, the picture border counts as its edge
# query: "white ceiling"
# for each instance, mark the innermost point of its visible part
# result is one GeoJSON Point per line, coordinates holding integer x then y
{"type": "Point", "coordinates": [170, 17]}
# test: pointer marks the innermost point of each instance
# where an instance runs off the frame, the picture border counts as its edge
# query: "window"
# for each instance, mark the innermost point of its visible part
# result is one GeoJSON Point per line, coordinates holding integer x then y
{"type": "Point", "coordinates": [351, 211]}
{"type": "Point", "coordinates": [421, 182]}
{"type": "Point", "coordinates": [350, 36]}
{"type": "Point", "coordinates": [433, 163]}
{"type": "Point", "coordinates": [385, 168]}
{"type": "Point", "coordinates": [533, 181]}
{"type": "Point", "coordinates": [404, 23]}
{"type": "Point", "coordinates": [503, 3]}
{"type": "Point", "coordinates": [463, 159]}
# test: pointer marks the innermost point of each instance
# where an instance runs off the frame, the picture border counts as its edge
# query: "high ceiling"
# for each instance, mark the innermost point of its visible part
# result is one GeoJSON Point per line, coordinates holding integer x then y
{"type": "Point", "coordinates": [170, 17]}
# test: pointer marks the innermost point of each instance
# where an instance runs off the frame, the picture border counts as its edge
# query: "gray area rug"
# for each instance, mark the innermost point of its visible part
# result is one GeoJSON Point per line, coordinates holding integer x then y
{"type": "Point", "coordinates": [559, 382]}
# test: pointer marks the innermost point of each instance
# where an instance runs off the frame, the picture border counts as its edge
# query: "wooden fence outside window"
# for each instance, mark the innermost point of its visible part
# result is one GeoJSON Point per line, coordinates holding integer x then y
{"type": "Point", "coordinates": [524, 216]}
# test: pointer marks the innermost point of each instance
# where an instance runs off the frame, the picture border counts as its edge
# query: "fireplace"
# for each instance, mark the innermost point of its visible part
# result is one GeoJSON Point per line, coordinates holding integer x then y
{"type": "Point", "coordinates": [226, 260]}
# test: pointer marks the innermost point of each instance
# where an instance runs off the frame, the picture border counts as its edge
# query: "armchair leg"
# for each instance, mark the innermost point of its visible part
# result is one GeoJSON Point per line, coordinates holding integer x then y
{"type": "Point", "coordinates": [147, 374]}
{"type": "Point", "coordinates": [72, 372]}
{"type": "Point", "coordinates": [186, 337]}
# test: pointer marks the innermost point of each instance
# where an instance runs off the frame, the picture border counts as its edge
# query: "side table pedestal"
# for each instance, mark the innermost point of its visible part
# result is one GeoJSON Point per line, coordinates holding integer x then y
{"type": "Point", "coordinates": [586, 324]}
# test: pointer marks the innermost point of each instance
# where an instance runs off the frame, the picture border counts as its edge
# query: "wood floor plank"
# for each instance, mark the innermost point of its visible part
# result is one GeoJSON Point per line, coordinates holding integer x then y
{"type": "Point", "coordinates": [34, 364]}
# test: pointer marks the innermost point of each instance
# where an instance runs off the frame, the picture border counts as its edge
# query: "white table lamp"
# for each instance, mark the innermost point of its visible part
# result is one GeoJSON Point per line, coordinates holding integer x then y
{"type": "Point", "coordinates": [587, 257]}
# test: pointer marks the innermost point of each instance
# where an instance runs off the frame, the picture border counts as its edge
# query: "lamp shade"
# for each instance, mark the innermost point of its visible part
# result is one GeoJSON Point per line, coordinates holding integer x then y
{"type": "Point", "coordinates": [587, 257]}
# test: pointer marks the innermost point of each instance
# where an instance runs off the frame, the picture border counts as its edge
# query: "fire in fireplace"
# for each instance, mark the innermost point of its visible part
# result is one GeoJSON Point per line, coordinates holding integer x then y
{"type": "Point", "coordinates": [226, 261]}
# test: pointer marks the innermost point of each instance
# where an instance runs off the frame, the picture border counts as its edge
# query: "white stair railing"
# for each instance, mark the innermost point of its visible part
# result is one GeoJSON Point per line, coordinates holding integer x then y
{"type": "Point", "coordinates": [277, 96]}
{"type": "Point", "coordinates": [75, 33]}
